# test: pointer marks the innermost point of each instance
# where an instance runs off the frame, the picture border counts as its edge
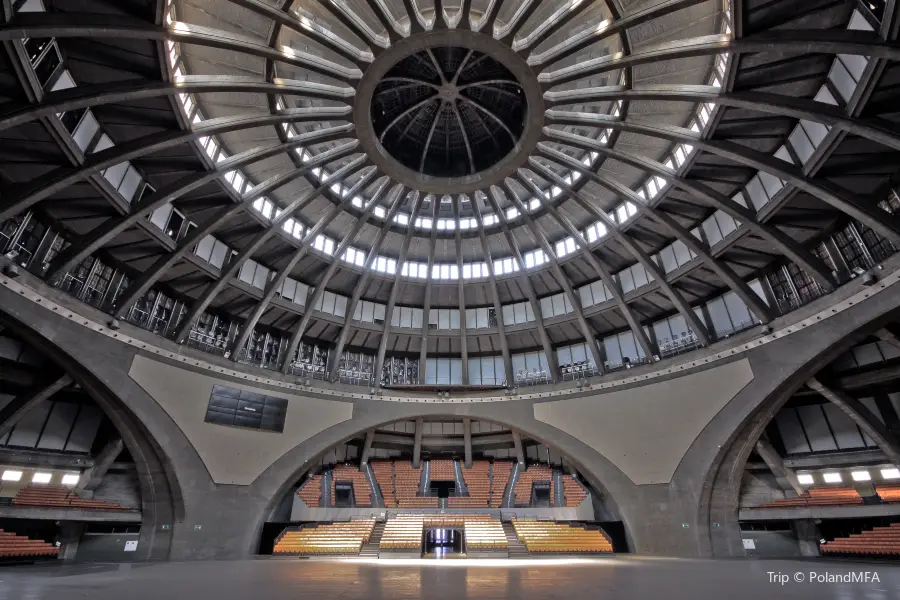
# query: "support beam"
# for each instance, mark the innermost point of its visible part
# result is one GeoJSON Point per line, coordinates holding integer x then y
{"type": "Point", "coordinates": [417, 444]}
{"type": "Point", "coordinates": [862, 416]}
{"type": "Point", "coordinates": [21, 405]}
{"type": "Point", "coordinates": [461, 291]}
{"type": "Point", "coordinates": [467, 442]}
{"type": "Point", "coordinates": [887, 336]}
{"type": "Point", "coordinates": [367, 449]}
{"type": "Point", "coordinates": [91, 478]}
{"type": "Point", "coordinates": [776, 465]}
{"type": "Point", "coordinates": [517, 444]}
{"type": "Point", "coordinates": [429, 283]}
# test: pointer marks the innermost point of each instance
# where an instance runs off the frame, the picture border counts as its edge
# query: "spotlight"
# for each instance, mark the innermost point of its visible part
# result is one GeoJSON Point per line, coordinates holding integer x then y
{"type": "Point", "coordinates": [869, 279]}
{"type": "Point", "coordinates": [371, 391]}
{"type": "Point", "coordinates": [114, 324]}
{"type": "Point", "coordinates": [11, 271]}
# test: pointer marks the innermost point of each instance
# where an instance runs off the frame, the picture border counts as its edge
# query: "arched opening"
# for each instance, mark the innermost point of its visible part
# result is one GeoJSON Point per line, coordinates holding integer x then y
{"type": "Point", "coordinates": [78, 471]}
{"type": "Point", "coordinates": [442, 485]}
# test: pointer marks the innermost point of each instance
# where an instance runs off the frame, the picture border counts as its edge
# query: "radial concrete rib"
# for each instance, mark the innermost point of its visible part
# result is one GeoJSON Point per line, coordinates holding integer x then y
{"type": "Point", "coordinates": [582, 40]}
{"type": "Point", "coordinates": [812, 264]}
{"type": "Point", "coordinates": [461, 294]}
{"type": "Point", "coordinates": [92, 478]}
{"type": "Point", "coordinates": [488, 18]}
{"type": "Point", "coordinates": [229, 270]}
{"type": "Point", "coordinates": [495, 296]}
{"type": "Point", "coordinates": [273, 286]}
{"type": "Point", "coordinates": [776, 464]}
{"type": "Point", "coordinates": [882, 132]}
{"type": "Point", "coordinates": [416, 20]}
{"type": "Point", "coordinates": [787, 41]}
{"type": "Point", "coordinates": [63, 177]}
{"type": "Point", "coordinates": [633, 248]}
{"type": "Point", "coordinates": [146, 279]}
{"type": "Point", "coordinates": [862, 416]}
{"type": "Point", "coordinates": [356, 24]}
{"type": "Point", "coordinates": [524, 9]}
{"type": "Point", "coordinates": [561, 18]}
{"type": "Point", "coordinates": [106, 232]}
{"type": "Point", "coordinates": [20, 406]}
{"type": "Point", "coordinates": [360, 286]}
{"type": "Point", "coordinates": [117, 92]}
{"type": "Point", "coordinates": [525, 282]}
{"type": "Point", "coordinates": [395, 286]}
{"type": "Point", "coordinates": [426, 306]}
{"type": "Point", "coordinates": [79, 25]}
{"type": "Point", "coordinates": [563, 280]}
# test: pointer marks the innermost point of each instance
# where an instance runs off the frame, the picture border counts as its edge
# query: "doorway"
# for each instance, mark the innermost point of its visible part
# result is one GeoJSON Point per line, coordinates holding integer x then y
{"type": "Point", "coordinates": [443, 543]}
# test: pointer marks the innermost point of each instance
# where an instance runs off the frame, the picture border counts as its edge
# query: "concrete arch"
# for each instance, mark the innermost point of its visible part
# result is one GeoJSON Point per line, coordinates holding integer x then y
{"type": "Point", "coordinates": [162, 501]}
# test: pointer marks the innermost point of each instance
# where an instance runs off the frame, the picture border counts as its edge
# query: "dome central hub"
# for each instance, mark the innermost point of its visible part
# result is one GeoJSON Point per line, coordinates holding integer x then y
{"type": "Point", "coordinates": [449, 92]}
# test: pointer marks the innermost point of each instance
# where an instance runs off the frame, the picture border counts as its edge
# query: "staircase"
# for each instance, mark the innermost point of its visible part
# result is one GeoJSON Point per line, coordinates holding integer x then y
{"type": "Point", "coordinates": [370, 548]}
{"type": "Point", "coordinates": [426, 478]}
{"type": "Point", "coordinates": [461, 489]}
{"type": "Point", "coordinates": [326, 488]}
{"type": "Point", "coordinates": [559, 498]}
{"type": "Point", "coordinates": [377, 497]}
{"type": "Point", "coordinates": [516, 547]}
{"type": "Point", "coordinates": [509, 499]}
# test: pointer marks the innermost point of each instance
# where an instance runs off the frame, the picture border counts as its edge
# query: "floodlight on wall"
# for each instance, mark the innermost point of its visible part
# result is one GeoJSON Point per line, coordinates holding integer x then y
{"type": "Point", "coordinates": [41, 477]}
{"type": "Point", "coordinates": [831, 477]}
{"type": "Point", "coordinates": [11, 475]}
{"type": "Point", "coordinates": [71, 479]}
{"type": "Point", "coordinates": [805, 478]}
{"type": "Point", "coordinates": [861, 476]}
{"type": "Point", "coordinates": [890, 473]}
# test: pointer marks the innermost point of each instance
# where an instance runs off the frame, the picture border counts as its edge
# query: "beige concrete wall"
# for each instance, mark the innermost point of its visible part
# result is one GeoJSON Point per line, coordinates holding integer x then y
{"type": "Point", "coordinates": [646, 430]}
{"type": "Point", "coordinates": [232, 455]}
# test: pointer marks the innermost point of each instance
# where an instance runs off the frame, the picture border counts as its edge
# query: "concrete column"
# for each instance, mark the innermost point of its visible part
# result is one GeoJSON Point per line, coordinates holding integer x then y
{"type": "Point", "coordinates": [91, 478]}
{"type": "Point", "coordinates": [467, 441]}
{"type": "Point", "coordinates": [367, 449]}
{"type": "Point", "coordinates": [70, 533]}
{"type": "Point", "coordinates": [807, 536]}
{"type": "Point", "coordinates": [417, 445]}
{"type": "Point", "coordinates": [776, 464]}
{"type": "Point", "coordinates": [517, 443]}
{"type": "Point", "coordinates": [24, 403]}
{"type": "Point", "coordinates": [888, 413]}
{"type": "Point", "coordinates": [862, 416]}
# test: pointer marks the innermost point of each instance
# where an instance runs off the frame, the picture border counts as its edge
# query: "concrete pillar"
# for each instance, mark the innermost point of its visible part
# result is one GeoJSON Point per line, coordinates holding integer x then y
{"type": "Point", "coordinates": [517, 443]}
{"type": "Point", "coordinates": [417, 445]}
{"type": "Point", "coordinates": [776, 464]}
{"type": "Point", "coordinates": [70, 533]}
{"type": "Point", "coordinates": [91, 478]}
{"type": "Point", "coordinates": [862, 416]}
{"type": "Point", "coordinates": [467, 441]}
{"type": "Point", "coordinates": [807, 536]}
{"type": "Point", "coordinates": [367, 449]}
{"type": "Point", "coordinates": [24, 403]}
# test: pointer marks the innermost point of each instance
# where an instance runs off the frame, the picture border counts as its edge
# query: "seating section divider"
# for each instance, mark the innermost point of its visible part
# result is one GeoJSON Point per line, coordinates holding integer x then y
{"type": "Point", "coordinates": [403, 532]}
{"type": "Point", "coordinates": [384, 477]}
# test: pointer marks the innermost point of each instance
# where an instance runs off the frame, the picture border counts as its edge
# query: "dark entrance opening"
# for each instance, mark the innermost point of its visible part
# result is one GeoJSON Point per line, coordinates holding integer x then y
{"type": "Point", "coordinates": [442, 489]}
{"type": "Point", "coordinates": [343, 494]}
{"type": "Point", "coordinates": [541, 496]}
{"type": "Point", "coordinates": [443, 543]}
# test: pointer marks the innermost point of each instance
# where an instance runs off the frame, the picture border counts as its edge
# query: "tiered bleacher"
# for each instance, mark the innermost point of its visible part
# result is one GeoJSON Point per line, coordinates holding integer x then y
{"type": "Point", "coordinates": [880, 540]}
{"type": "Point", "coordinates": [403, 532]}
{"type": "Point", "coordinates": [527, 478]}
{"type": "Point", "coordinates": [550, 536]}
{"type": "Point", "coordinates": [889, 493]}
{"type": "Point", "coordinates": [52, 496]}
{"type": "Point", "coordinates": [384, 477]}
{"type": "Point", "coordinates": [441, 470]}
{"type": "Point", "coordinates": [406, 482]}
{"type": "Point", "coordinates": [335, 538]}
{"type": "Point", "coordinates": [351, 474]}
{"type": "Point", "coordinates": [484, 534]}
{"type": "Point", "coordinates": [818, 496]}
{"type": "Point", "coordinates": [501, 471]}
{"type": "Point", "coordinates": [573, 491]}
{"type": "Point", "coordinates": [478, 482]}
{"type": "Point", "coordinates": [311, 491]}
{"type": "Point", "coordinates": [13, 546]}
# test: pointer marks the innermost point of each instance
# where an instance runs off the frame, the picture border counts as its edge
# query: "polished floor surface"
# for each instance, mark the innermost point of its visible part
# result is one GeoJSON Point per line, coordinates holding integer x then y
{"type": "Point", "coordinates": [630, 578]}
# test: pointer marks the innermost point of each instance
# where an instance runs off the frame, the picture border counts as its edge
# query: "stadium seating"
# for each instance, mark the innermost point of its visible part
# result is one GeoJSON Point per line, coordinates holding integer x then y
{"type": "Point", "coordinates": [441, 470]}
{"type": "Point", "coordinates": [550, 536]}
{"type": "Point", "coordinates": [527, 478]}
{"type": "Point", "coordinates": [501, 471]}
{"type": "Point", "coordinates": [384, 477]}
{"type": "Point", "coordinates": [478, 482]}
{"type": "Point", "coordinates": [13, 546]}
{"type": "Point", "coordinates": [311, 491]}
{"type": "Point", "coordinates": [403, 532]}
{"type": "Point", "coordinates": [346, 537]}
{"type": "Point", "coordinates": [351, 474]}
{"type": "Point", "coordinates": [889, 493]}
{"type": "Point", "coordinates": [818, 496]}
{"type": "Point", "coordinates": [52, 496]}
{"type": "Point", "coordinates": [880, 540]}
{"type": "Point", "coordinates": [406, 483]}
{"type": "Point", "coordinates": [573, 491]}
{"type": "Point", "coordinates": [484, 534]}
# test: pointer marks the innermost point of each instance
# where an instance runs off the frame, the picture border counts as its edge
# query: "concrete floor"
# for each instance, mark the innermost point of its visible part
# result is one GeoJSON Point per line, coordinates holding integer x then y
{"type": "Point", "coordinates": [630, 578]}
